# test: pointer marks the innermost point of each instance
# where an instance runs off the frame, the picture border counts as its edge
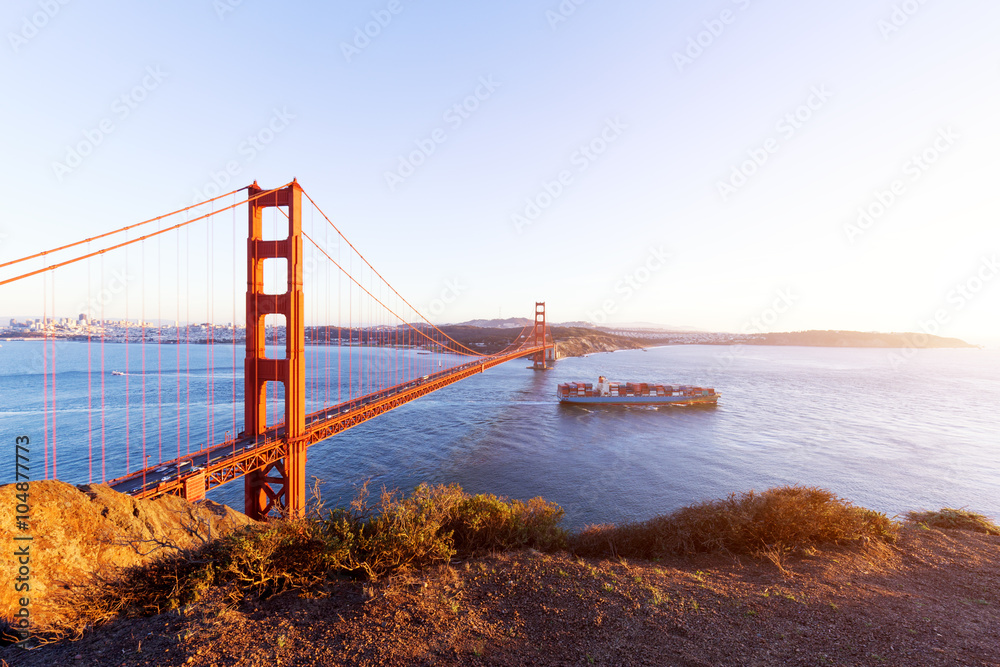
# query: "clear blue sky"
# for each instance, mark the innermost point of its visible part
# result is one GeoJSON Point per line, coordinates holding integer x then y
{"type": "Point", "coordinates": [659, 200]}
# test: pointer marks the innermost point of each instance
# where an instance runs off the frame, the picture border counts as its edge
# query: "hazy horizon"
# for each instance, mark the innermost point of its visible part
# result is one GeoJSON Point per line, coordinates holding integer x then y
{"type": "Point", "coordinates": [986, 342]}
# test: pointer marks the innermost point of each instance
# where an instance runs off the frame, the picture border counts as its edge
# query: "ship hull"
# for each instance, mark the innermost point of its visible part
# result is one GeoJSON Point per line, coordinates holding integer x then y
{"type": "Point", "coordinates": [640, 400]}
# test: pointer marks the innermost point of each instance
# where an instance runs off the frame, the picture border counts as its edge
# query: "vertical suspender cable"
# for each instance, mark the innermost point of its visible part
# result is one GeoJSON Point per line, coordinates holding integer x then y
{"type": "Point", "coordinates": [54, 347]}
{"type": "Point", "coordinates": [45, 374]}
{"type": "Point", "coordinates": [187, 340]}
{"type": "Point", "coordinates": [350, 336]}
{"type": "Point", "coordinates": [326, 267]}
{"type": "Point", "coordinates": [159, 348]}
{"type": "Point", "coordinates": [340, 331]}
{"type": "Point", "coordinates": [104, 327]}
{"type": "Point", "coordinates": [177, 341]}
{"type": "Point", "coordinates": [209, 340]}
{"type": "Point", "coordinates": [90, 377]}
{"type": "Point", "coordinates": [52, 383]}
{"type": "Point", "coordinates": [127, 369]}
{"type": "Point", "coordinates": [142, 374]}
{"type": "Point", "coordinates": [235, 430]}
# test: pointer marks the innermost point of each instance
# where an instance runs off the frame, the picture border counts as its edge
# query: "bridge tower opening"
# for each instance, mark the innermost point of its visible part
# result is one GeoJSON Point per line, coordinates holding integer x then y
{"type": "Point", "coordinates": [539, 333]}
{"type": "Point", "coordinates": [280, 485]}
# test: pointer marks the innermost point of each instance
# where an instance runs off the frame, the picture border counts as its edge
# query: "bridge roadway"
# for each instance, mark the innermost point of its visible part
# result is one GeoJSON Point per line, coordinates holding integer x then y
{"type": "Point", "coordinates": [235, 458]}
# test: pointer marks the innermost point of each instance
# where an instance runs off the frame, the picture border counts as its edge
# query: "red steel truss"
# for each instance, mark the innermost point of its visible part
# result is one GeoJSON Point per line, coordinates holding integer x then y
{"type": "Point", "coordinates": [272, 461]}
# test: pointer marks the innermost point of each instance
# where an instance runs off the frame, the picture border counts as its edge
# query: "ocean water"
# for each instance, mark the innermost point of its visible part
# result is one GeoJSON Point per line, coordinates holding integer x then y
{"type": "Point", "coordinates": [885, 429]}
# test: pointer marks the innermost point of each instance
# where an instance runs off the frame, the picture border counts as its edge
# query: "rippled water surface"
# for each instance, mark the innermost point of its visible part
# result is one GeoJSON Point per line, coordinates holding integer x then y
{"type": "Point", "coordinates": [885, 431]}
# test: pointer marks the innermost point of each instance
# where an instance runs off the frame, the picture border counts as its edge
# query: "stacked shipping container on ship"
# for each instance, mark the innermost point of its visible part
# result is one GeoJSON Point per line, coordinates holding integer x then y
{"type": "Point", "coordinates": [634, 393]}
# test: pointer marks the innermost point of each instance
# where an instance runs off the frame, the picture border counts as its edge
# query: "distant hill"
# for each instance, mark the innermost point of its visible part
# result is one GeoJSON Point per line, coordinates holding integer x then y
{"type": "Point", "coordinates": [572, 341]}
{"type": "Point", "coordinates": [857, 339]}
{"type": "Point", "coordinates": [620, 326]}
{"type": "Point", "coordinates": [581, 340]}
{"type": "Point", "coordinates": [518, 322]}
{"type": "Point", "coordinates": [507, 323]}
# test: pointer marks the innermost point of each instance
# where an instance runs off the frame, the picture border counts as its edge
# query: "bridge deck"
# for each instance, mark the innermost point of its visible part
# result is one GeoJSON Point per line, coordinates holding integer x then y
{"type": "Point", "coordinates": [232, 459]}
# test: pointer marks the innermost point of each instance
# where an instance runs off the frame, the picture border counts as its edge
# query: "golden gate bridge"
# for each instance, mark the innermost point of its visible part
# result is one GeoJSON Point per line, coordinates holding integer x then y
{"type": "Point", "coordinates": [351, 307]}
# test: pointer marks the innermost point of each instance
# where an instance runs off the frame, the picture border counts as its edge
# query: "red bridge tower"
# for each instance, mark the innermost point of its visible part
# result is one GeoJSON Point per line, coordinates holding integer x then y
{"type": "Point", "coordinates": [281, 485]}
{"type": "Point", "coordinates": [539, 358]}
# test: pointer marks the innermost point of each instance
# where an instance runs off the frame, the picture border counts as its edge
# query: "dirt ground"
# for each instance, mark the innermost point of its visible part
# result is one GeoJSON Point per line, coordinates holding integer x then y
{"type": "Point", "coordinates": [933, 599]}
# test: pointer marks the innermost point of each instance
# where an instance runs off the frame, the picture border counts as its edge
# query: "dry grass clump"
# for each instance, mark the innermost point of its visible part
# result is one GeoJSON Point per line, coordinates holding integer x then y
{"type": "Point", "coordinates": [962, 519]}
{"type": "Point", "coordinates": [433, 524]}
{"type": "Point", "coordinates": [392, 532]}
{"type": "Point", "coordinates": [395, 532]}
{"type": "Point", "coordinates": [370, 539]}
{"type": "Point", "coordinates": [777, 520]}
{"type": "Point", "coordinates": [485, 523]}
{"type": "Point", "coordinates": [262, 560]}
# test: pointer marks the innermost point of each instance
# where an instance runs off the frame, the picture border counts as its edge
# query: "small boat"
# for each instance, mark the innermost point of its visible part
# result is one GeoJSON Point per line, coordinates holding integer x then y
{"type": "Point", "coordinates": [117, 373]}
{"type": "Point", "coordinates": [634, 393]}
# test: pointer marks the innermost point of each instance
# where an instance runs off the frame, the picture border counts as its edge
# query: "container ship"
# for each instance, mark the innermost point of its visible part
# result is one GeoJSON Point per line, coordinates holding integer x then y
{"type": "Point", "coordinates": [634, 393]}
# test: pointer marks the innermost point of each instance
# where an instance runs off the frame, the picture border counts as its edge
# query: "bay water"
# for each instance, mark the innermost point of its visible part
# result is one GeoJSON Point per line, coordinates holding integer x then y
{"type": "Point", "coordinates": [891, 430]}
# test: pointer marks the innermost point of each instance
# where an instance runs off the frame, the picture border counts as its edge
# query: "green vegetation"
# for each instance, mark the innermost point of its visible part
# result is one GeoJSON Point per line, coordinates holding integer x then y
{"type": "Point", "coordinates": [952, 518]}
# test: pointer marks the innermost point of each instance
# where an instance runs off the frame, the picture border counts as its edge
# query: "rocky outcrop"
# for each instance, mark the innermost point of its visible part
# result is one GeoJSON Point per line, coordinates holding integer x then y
{"type": "Point", "coordinates": [79, 531]}
{"type": "Point", "coordinates": [578, 342]}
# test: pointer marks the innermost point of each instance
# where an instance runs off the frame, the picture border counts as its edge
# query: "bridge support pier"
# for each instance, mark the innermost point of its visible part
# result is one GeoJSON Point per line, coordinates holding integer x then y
{"type": "Point", "coordinates": [281, 486]}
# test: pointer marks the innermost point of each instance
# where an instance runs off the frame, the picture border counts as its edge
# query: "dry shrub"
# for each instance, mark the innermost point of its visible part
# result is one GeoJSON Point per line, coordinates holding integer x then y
{"type": "Point", "coordinates": [395, 533]}
{"type": "Point", "coordinates": [784, 518]}
{"type": "Point", "coordinates": [961, 519]}
{"type": "Point", "coordinates": [432, 525]}
{"type": "Point", "coordinates": [484, 523]}
{"type": "Point", "coordinates": [261, 560]}
{"type": "Point", "coordinates": [282, 555]}
{"type": "Point", "coordinates": [370, 539]}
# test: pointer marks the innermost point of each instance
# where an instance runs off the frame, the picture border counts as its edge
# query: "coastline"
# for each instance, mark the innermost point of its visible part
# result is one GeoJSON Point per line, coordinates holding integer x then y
{"type": "Point", "coordinates": [580, 344]}
{"type": "Point", "coordinates": [577, 341]}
